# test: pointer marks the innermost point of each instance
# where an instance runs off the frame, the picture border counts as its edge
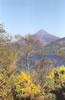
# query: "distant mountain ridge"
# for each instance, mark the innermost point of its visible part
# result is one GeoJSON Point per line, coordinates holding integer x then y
{"type": "Point", "coordinates": [60, 43]}
{"type": "Point", "coordinates": [44, 36]}
{"type": "Point", "coordinates": [53, 47]}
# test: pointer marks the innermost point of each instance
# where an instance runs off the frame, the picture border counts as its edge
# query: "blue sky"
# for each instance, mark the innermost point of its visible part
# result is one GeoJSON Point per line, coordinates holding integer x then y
{"type": "Point", "coordinates": [29, 16]}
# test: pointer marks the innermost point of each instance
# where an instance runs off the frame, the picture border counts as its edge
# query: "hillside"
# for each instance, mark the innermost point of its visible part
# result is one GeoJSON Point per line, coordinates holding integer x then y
{"type": "Point", "coordinates": [53, 47]}
{"type": "Point", "coordinates": [60, 43]}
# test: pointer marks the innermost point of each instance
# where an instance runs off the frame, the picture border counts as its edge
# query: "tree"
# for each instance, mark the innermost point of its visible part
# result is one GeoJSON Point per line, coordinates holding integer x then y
{"type": "Point", "coordinates": [7, 53]}
{"type": "Point", "coordinates": [29, 46]}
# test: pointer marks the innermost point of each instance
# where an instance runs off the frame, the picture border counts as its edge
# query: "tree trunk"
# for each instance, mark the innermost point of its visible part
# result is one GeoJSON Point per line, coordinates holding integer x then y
{"type": "Point", "coordinates": [27, 63]}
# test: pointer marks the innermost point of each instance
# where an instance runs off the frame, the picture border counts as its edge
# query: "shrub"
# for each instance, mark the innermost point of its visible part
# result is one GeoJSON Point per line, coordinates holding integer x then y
{"type": "Point", "coordinates": [50, 96]}
{"type": "Point", "coordinates": [24, 87]}
{"type": "Point", "coordinates": [5, 86]}
{"type": "Point", "coordinates": [55, 82]}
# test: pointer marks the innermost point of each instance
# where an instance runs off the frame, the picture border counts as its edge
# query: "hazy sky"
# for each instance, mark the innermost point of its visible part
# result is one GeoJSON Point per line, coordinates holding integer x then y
{"type": "Point", "coordinates": [29, 16]}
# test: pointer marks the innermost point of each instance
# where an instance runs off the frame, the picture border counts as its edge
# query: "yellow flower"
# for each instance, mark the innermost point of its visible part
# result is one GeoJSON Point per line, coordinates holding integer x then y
{"type": "Point", "coordinates": [61, 68]}
{"type": "Point", "coordinates": [26, 89]}
{"type": "Point", "coordinates": [35, 89]}
{"type": "Point", "coordinates": [25, 86]}
{"type": "Point", "coordinates": [0, 78]}
{"type": "Point", "coordinates": [26, 77]}
{"type": "Point", "coordinates": [63, 76]}
{"type": "Point", "coordinates": [51, 75]}
{"type": "Point", "coordinates": [18, 86]}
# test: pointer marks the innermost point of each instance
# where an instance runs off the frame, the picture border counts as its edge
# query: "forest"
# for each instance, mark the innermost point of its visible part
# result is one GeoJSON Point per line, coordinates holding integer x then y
{"type": "Point", "coordinates": [26, 73]}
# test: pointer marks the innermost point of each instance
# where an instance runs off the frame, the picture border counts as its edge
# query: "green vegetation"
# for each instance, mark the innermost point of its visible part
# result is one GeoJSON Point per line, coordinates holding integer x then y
{"type": "Point", "coordinates": [43, 83]}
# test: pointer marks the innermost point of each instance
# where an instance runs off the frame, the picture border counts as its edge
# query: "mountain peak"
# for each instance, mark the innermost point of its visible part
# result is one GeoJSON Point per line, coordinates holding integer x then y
{"type": "Point", "coordinates": [42, 32]}
{"type": "Point", "coordinates": [44, 36]}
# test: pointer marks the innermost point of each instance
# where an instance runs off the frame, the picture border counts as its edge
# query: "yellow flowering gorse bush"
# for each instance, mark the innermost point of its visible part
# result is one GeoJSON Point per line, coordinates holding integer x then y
{"type": "Point", "coordinates": [57, 73]}
{"type": "Point", "coordinates": [56, 79]}
{"type": "Point", "coordinates": [25, 86]}
{"type": "Point", "coordinates": [54, 86]}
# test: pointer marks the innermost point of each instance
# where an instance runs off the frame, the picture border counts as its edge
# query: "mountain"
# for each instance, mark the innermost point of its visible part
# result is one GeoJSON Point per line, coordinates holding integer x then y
{"type": "Point", "coordinates": [60, 43]}
{"type": "Point", "coordinates": [53, 47]}
{"type": "Point", "coordinates": [44, 36]}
